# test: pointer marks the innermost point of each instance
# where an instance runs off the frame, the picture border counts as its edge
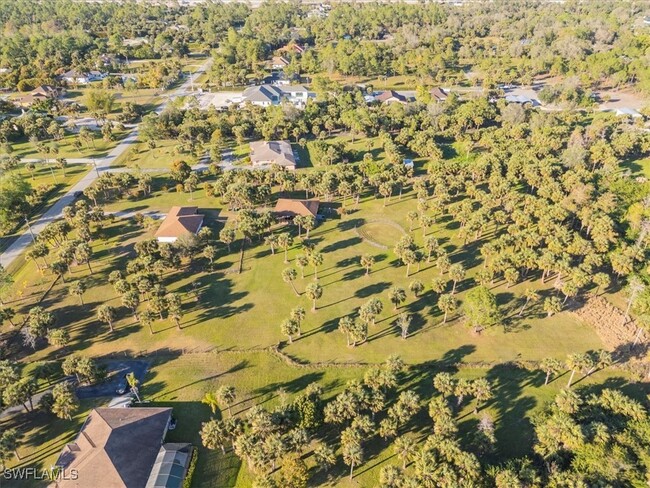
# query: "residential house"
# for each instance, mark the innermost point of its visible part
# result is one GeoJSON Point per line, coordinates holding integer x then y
{"type": "Point", "coordinates": [288, 208]}
{"type": "Point", "coordinates": [391, 96]}
{"type": "Point", "coordinates": [266, 153]}
{"type": "Point", "coordinates": [267, 95]}
{"type": "Point", "coordinates": [121, 448]}
{"type": "Point", "coordinates": [179, 221]}
{"type": "Point", "coordinates": [438, 94]}
{"type": "Point", "coordinates": [39, 94]}
{"type": "Point", "coordinates": [522, 99]}
{"type": "Point", "coordinates": [278, 63]}
{"type": "Point", "coordinates": [75, 77]}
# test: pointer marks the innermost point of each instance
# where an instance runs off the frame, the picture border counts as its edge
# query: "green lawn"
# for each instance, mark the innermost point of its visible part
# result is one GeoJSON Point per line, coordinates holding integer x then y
{"type": "Point", "coordinates": [98, 149]}
{"type": "Point", "coordinates": [161, 157]}
{"type": "Point", "coordinates": [242, 312]}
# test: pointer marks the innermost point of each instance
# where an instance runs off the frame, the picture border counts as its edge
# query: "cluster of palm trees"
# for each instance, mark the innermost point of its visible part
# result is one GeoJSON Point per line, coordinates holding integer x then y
{"type": "Point", "coordinates": [585, 363]}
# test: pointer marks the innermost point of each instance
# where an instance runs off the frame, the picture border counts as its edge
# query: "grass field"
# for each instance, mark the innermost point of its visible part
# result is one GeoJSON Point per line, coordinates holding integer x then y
{"type": "Point", "coordinates": [239, 315]}
{"type": "Point", "coordinates": [98, 149]}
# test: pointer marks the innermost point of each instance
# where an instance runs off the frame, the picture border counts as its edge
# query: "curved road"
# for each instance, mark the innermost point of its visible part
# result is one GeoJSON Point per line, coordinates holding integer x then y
{"type": "Point", "coordinates": [102, 164]}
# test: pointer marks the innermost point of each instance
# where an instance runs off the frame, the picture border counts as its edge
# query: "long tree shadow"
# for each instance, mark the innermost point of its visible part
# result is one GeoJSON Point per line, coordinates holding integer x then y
{"type": "Point", "coordinates": [373, 289]}
{"type": "Point", "coordinates": [513, 428]}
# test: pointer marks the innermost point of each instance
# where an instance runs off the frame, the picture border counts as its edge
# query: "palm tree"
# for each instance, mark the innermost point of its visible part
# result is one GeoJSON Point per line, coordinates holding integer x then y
{"type": "Point", "coordinates": [404, 322]}
{"type": "Point", "coordinates": [106, 313]}
{"type": "Point", "coordinates": [634, 289]}
{"type": "Point", "coordinates": [367, 261]}
{"type": "Point", "coordinates": [531, 296]}
{"type": "Point", "coordinates": [552, 305]}
{"type": "Point", "coordinates": [416, 287]}
{"type": "Point", "coordinates": [314, 291]}
{"type": "Point", "coordinates": [457, 273]}
{"type": "Point", "coordinates": [447, 304]}
{"type": "Point", "coordinates": [404, 447]}
{"type": "Point", "coordinates": [133, 385]}
{"type": "Point", "coordinates": [271, 241]}
{"type": "Point", "coordinates": [78, 288]}
{"type": "Point", "coordinates": [298, 314]}
{"type": "Point", "coordinates": [345, 327]}
{"type": "Point", "coordinates": [397, 296]}
{"type": "Point", "coordinates": [289, 327]}
{"type": "Point", "coordinates": [302, 262]}
{"type": "Point", "coordinates": [146, 318]}
{"type": "Point", "coordinates": [482, 391]}
{"type": "Point", "coordinates": [211, 400]}
{"type": "Point", "coordinates": [226, 395]}
{"type": "Point", "coordinates": [575, 362]}
{"type": "Point", "coordinates": [285, 241]}
{"type": "Point", "coordinates": [550, 366]}
{"type": "Point", "coordinates": [289, 275]}
{"type": "Point", "coordinates": [316, 260]}
{"type": "Point", "coordinates": [352, 455]}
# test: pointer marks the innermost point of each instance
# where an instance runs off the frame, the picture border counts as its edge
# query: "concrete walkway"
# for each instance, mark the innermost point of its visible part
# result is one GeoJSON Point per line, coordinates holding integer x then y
{"type": "Point", "coordinates": [102, 165]}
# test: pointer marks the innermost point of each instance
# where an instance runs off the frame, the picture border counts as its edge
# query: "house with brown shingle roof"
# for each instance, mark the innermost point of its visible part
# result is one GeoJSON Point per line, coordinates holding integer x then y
{"type": "Point", "coordinates": [39, 94]}
{"type": "Point", "coordinates": [266, 153]}
{"type": "Point", "coordinates": [179, 221]}
{"type": "Point", "coordinates": [391, 96]}
{"type": "Point", "coordinates": [288, 208]}
{"type": "Point", "coordinates": [116, 448]}
{"type": "Point", "coordinates": [438, 94]}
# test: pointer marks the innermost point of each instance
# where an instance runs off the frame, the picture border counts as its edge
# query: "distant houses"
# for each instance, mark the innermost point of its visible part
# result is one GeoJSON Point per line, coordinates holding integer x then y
{"type": "Point", "coordinates": [179, 221]}
{"type": "Point", "coordinates": [74, 77]}
{"type": "Point", "coordinates": [267, 95]}
{"type": "Point", "coordinates": [267, 153]}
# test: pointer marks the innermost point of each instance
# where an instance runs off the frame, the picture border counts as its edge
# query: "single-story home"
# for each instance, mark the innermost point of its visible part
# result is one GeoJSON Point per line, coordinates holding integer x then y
{"type": "Point", "coordinates": [522, 99]}
{"type": "Point", "coordinates": [178, 222]}
{"type": "Point", "coordinates": [266, 153]}
{"type": "Point", "coordinates": [267, 95]}
{"type": "Point", "coordinates": [39, 94]}
{"type": "Point", "coordinates": [82, 77]}
{"type": "Point", "coordinates": [391, 96]}
{"type": "Point", "coordinates": [438, 94]}
{"type": "Point", "coordinates": [121, 448]}
{"type": "Point", "coordinates": [288, 208]}
{"type": "Point", "coordinates": [278, 62]}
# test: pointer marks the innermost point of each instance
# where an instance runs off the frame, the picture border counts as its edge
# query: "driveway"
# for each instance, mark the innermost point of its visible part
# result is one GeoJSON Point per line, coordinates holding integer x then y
{"type": "Point", "coordinates": [116, 370]}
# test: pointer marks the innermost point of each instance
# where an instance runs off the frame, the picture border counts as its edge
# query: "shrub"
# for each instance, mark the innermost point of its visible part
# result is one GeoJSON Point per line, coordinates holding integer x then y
{"type": "Point", "coordinates": [187, 482]}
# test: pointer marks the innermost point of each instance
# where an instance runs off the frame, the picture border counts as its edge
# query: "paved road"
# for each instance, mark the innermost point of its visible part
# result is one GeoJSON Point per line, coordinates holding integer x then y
{"type": "Point", "coordinates": [102, 165]}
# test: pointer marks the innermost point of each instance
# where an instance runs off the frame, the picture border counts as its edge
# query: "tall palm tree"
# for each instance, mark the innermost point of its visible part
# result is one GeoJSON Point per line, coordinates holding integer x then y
{"type": "Point", "coordinates": [314, 291]}
{"type": "Point", "coordinates": [226, 395]}
{"type": "Point", "coordinates": [211, 400]}
{"type": "Point", "coordinates": [133, 385]}
{"type": "Point", "coordinates": [531, 296]}
{"type": "Point", "coordinates": [289, 275]}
